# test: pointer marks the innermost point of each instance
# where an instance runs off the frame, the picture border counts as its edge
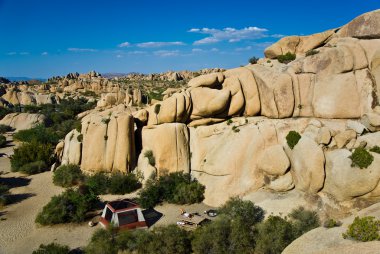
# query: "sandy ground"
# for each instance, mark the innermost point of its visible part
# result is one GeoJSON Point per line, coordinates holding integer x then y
{"type": "Point", "coordinates": [19, 233]}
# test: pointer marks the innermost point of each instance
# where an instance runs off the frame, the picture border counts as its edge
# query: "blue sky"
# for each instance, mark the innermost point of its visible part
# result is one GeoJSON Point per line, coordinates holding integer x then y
{"type": "Point", "coordinates": [42, 38]}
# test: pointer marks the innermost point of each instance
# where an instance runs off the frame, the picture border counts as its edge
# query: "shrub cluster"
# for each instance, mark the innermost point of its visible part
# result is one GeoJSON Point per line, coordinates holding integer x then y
{"type": "Point", "coordinates": [375, 149]}
{"type": "Point", "coordinates": [287, 58]}
{"type": "Point", "coordinates": [331, 223]}
{"type": "Point", "coordinates": [3, 140]}
{"type": "Point", "coordinates": [70, 206]}
{"type": "Point", "coordinates": [292, 139]}
{"type": "Point", "coordinates": [361, 158]}
{"type": "Point", "coordinates": [239, 228]}
{"type": "Point", "coordinates": [52, 248]}
{"type": "Point", "coordinates": [99, 183]}
{"type": "Point", "coordinates": [177, 188]}
{"type": "Point", "coordinates": [34, 167]}
{"type": "Point", "coordinates": [68, 175]}
{"type": "Point", "coordinates": [5, 128]}
{"type": "Point", "coordinates": [364, 229]}
{"type": "Point", "coordinates": [32, 152]}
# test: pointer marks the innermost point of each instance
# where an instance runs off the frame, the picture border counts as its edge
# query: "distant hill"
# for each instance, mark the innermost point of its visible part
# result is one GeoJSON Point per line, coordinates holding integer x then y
{"type": "Point", "coordinates": [24, 79]}
{"type": "Point", "coordinates": [114, 75]}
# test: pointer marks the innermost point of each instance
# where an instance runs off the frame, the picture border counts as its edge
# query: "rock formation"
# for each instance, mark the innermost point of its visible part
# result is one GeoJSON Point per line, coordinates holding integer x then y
{"type": "Point", "coordinates": [229, 128]}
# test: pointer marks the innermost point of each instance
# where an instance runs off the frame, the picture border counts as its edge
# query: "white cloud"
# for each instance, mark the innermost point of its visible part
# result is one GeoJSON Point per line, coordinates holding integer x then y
{"type": "Point", "coordinates": [229, 34]}
{"type": "Point", "coordinates": [136, 52]}
{"type": "Point", "coordinates": [157, 44]}
{"type": "Point", "coordinates": [11, 53]}
{"type": "Point", "coordinates": [44, 53]}
{"type": "Point", "coordinates": [197, 50]}
{"type": "Point", "coordinates": [166, 53]}
{"type": "Point", "coordinates": [81, 50]}
{"type": "Point", "coordinates": [24, 53]}
{"type": "Point", "coordinates": [214, 50]}
{"type": "Point", "coordinates": [124, 44]}
{"type": "Point", "coordinates": [119, 56]}
{"type": "Point", "coordinates": [244, 49]}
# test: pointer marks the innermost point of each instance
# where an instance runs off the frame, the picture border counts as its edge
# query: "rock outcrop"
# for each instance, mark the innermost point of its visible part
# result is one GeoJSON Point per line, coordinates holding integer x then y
{"type": "Point", "coordinates": [22, 121]}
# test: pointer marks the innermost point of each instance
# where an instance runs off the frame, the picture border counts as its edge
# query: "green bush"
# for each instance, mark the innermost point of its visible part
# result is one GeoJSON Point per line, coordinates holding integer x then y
{"type": "Point", "coordinates": [189, 193]}
{"type": "Point", "coordinates": [246, 211]}
{"type": "Point", "coordinates": [274, 235]}
{"type": "Point", "coordinates": [303, 221]}
{"type": "Point", "coordinates": [292, 138]}
{"type": "Point", "coordinates": [253, 60]}
{"type": "Point", "coordinates": [97, 183]}
{"type": "Point", "coordinates": [68, 175]}
{"type": "Point", "coordinates": [149, 154]}
{"type": "Point", "coordinates": [52, 248]}
{"type": "Point", "coordinates": [375, 149]}
{"type": "Point", "coordinates": [287, 58]}
{"type": "Point", "coordinates": [363, 229]}
{"type": "Point", "coordinates": [80, 138]}
{"type": "Point", "coordinates": [31, 152]}
{"type": "Point", "coordinates": [34, 167]}
{"type": "Point", "coordinates": [171, 188]}
{"type": "Point", "coordinates": [5, 128]}
{"type": "Point", "coordinates": [311, 52]}
{"type": "Point", "coordinates": [123, 183]}
{"type": "Point", "coordinates": [3, 140]}
{"type": "Point", "coordinates": [331, 223]}
{"type": "Point", "coordinates": [361, 158]}
{"type": "Point", "coordinates": [70, 206]}
{"type": "Point", "coordinates": [38, 134]}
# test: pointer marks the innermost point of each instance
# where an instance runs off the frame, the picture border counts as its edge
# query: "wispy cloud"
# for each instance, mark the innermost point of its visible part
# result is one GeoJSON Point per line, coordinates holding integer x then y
{"type": "Point", "coordinates": [244, 49]}
{"type": "Point", "coordinates": [124, 44]}
{"type": "Point", "coordinates": [229, 34]}
{"type": "Point", "coordinates": [136, 52]}
{"type": "Point", "coordinates": [44, 53]}
{"type": "Point", "coordinates": [166, 53]}
{"type": "Point", "coordinates": [18, 53]}
{"type": "Point", "coordinates": [82, 50]}
{"type": "Point", "coordinates": [119, 56]}
{"type": "Point", "coordinates": [158, 44]}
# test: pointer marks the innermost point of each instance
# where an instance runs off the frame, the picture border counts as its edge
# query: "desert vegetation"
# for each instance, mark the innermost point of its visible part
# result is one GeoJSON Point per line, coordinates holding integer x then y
{"type": "Point", "coordinates": [292, 139]}
{"type": "Point", "coordinates": [363, 229]}
{"type": "Point", "coordinates": [286, 58]}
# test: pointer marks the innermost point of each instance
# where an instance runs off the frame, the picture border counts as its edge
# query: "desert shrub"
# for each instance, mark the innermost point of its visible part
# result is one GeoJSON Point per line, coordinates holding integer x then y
{"type": "Point", "coordinates": [149, 154]}
{"type": "Point", "coordinates": [97, 183]}
{"type": "Point", "coordinates": [5, 128]}
{"type": "Point", "coordinates": [157, 108]}
{"type": "Point", "coordinates": [363, 229]}
{"type": "Point", "coordinates": [171, 188]}
{"type": "Point", "coordinates": [253, 60]}
{"type": "Point", "coordinates": [274, 235]}
{"type": "Point", "coordinates": [39, 134]}
{"type": "Point", "coordinates": [189, 193]}
{"type": "Point", "coordinates": [361, 158]}
{"type": "Point", "coordinates": [331, 223]}
{"type": "Point", "coordinates": [80, 138]}
{"type": "Point", "coordinates": [68, 175]}
{"type": "Point", "coordinates": [31, 152]}
{"type": "Point", "coordinates": [3, 191]}
{"type": "Point", "coordinates": [150, 195]}
{"type": "Point", "coordinates": [303, 221]}
{"type": "Point", "coordinates": [102, 242]}
{"type": "Point", "coordinates": [3, 140]}
{"type": "Point", "coordinates": [311, 52]}
{"type": "Point", "coordinates": [292, 138]}
{"type": "Point", "coordinates": [70, 206]}
{"type": "Point", "coordinates": [237, 209]}
{"type": "Point", "coordinates": [52, 248]}
{"type": "Point", "coordinates": [229, 121]}
{"type": "Point", "coordinates": [375, 149]}
{"type": "Point", "coordinates": [34, 167]}
{"type": "Point", "coordinates": [123, 183]}
{"type": "Point", "coordinates": [287, 58]}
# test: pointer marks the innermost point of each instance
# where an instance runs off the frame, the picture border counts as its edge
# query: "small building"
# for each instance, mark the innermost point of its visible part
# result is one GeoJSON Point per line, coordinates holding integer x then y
{"type": "Point", "coordinates": [123, 214]}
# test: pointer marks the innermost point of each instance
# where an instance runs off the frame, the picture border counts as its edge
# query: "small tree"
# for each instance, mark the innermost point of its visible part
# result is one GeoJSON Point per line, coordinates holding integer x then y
{"type": "Point", "coordinates": [253, 60]}
{"type": "Point", "coordinates": [364, 229]}
{"type": "Point", "coordinates": [157, 108]}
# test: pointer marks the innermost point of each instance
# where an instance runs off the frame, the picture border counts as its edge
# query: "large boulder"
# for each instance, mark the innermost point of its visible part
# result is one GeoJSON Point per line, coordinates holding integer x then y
{"type": "Point", "coordinates": [22, 121]}
{"type": "Point", "coordinates": [209, 102]}
{"type": "Point", "coordinates": [366, 26]}
{"type": "Point", "coordinates": [209, 80]}
{"type": "Point", "coordinates": [108, 141]}
{"type": "Point", "coordinates": [345, 182]}
{"type": "Point", "coordinates": [72, 150]}
{"type": "Point", "coordinates": [274, 161]}
{"type": "Point", "coordinates": [307, 165]}
{"type": "Point", "coordinates": [169, 144]}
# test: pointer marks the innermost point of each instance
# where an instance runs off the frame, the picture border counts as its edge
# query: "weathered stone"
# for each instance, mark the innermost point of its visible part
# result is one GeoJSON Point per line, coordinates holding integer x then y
{"type": "Point", "coordinates": [274, 161]}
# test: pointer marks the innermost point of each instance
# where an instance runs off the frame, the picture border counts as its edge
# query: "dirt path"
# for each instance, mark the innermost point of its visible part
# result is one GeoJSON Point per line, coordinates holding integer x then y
{"type": "Point", "coordinates": [19, 233]}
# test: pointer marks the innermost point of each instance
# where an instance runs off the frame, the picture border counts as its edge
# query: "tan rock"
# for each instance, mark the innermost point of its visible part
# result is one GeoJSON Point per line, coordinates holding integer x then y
{"type": "Point", "coordinates": [22, 121]}
{"type": "Point", "coordinates": [324, 136]}
{"type": "Point", "coordinates": [144, 168]}
{"type": "Point", "coordinates": [345, 182]}
{"type": "Point", "coordinates": [169, 143]}
{"type": "Point", "coordinates": [366, 26]}
{"type": "Point", "coordinates": [208, 102]}
{"type": "Point", "coordinates": [307, 165]}
{"type": "Point", "coordinates": [274, 161]}
{"type": "Point", "coordinates": [282, 183]}
{"type": "Point", "coordinates": [237, 97]}
{"type": "Point", "coordinates": [209, 80]}
{"type": "Point", "coordinates": [72, 148]}
{"type": "Point", "coordinates": [344, 137]}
